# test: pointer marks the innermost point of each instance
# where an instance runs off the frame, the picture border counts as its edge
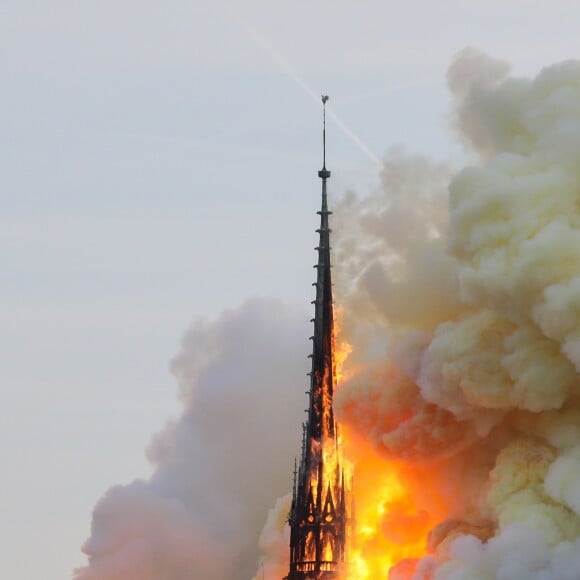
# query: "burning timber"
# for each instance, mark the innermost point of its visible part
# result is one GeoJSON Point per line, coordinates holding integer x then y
{"type": "Point", "coordinates": [319, 517]}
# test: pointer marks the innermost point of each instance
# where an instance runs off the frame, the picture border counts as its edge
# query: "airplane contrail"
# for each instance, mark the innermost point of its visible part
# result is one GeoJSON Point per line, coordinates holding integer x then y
{"type": "Point", "coordinates": [285, 66]}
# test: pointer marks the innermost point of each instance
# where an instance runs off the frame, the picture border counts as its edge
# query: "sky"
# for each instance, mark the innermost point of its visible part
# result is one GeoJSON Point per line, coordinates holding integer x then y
{"type": "Point", "coordinates": [158, 164]}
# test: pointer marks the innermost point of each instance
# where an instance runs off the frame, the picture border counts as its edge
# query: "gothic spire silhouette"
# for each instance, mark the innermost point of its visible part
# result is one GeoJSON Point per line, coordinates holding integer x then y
{"type": "Point", "coordinates": [318, 515]}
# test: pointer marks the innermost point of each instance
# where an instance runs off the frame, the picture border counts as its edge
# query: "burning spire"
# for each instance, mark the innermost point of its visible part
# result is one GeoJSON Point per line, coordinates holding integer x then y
{"type": "Point", "coordinates": [318, 515]}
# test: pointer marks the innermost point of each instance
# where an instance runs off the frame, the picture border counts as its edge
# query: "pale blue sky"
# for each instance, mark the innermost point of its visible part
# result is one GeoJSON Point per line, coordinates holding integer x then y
{"type": "Point", "coordinates": [158, 164]}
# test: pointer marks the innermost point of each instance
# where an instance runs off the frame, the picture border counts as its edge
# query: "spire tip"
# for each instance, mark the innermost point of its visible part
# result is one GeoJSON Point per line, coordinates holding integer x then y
{"type": "Point", "coordinates": [324, 173]}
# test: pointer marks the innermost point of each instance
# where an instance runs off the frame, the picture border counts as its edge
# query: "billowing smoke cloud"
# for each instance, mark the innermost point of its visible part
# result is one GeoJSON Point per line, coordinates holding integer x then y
{"type": "Point", "coordinates": [471, 79]}
{"type": "Point", "coordinates": [221, 464]}
{"type": "Point", "coordinates": [466, 329]}
{"type": "Point", "coordinates": [462, 305]}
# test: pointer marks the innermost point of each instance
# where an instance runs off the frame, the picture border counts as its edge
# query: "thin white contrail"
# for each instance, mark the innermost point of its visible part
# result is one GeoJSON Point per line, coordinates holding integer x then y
{"type": "Point", "coordinates": [285, 66]}
{"type": "Point", "coordinates": [355, 138]}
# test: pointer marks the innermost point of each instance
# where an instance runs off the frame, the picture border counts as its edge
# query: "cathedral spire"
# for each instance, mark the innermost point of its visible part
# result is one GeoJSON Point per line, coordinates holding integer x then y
{"type": "Point", "coordinates": [318, 517]}
{"type": "Point", "coordinates": [323, 351]}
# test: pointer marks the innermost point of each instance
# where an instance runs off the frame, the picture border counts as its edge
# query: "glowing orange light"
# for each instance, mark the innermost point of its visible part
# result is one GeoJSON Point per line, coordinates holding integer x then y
{"type": "Point", "coordinates": [342, 348]}
{"type": "Point", "coordinates": [390, 527]}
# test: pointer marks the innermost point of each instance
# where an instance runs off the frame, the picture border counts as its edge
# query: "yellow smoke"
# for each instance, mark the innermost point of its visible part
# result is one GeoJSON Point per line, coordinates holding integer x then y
{"type": "Point", "coordinates": [471, 379]}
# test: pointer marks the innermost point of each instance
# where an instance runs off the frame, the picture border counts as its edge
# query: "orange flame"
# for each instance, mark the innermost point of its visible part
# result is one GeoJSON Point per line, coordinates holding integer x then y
{"type": "Point", "coordinates": [342, 348]}
{"type": "Point", "coordinates": [390, 527]}
{"type": "Point", "coordinates": [390, 524]}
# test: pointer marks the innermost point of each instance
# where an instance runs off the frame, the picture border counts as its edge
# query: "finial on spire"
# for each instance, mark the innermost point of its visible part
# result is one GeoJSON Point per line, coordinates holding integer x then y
{"type": "Point", "coordinates": [324, 174]}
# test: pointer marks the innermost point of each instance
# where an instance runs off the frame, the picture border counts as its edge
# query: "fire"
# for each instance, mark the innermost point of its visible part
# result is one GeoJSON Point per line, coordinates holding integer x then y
{"type": "Point", "coordinates": [390, 525]}
{"type": "Point", "coordinates": [342, 348]}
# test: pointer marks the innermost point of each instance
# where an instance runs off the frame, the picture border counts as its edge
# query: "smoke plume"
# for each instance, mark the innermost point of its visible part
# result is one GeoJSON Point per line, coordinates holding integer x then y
{"type": "Point", "coordinates": [461, 404]}
{"type": "Point", "coordinates": [221, 464]}
{"type": "Point", "coordinates": [466, 331]}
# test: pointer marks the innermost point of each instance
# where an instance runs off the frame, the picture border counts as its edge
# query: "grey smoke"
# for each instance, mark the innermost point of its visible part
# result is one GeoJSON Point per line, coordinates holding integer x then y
{"type": "Point", "coordinates": [225, 460]}
{"type": "Point", "coordinates": [221, 464]}
{"type": "Point", "coordinates": [471, 78]}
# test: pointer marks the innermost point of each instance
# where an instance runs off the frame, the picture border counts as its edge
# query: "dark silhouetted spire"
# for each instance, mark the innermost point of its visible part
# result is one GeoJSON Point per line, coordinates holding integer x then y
{"type": "Point", "coordinates": [318, 517]}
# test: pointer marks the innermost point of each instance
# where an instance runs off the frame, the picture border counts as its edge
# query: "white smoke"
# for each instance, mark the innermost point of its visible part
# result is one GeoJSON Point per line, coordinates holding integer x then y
{"type": "Point", "coordinates": [464, 315]}
{"type": "Point", "coordinates": [221, 464]}
{"type": "Point", "coordinates": [471, 79]}
{"type": "Point", "coordinates": [479, 366]}
{"type": "Point", "coordinates": [518, 552]}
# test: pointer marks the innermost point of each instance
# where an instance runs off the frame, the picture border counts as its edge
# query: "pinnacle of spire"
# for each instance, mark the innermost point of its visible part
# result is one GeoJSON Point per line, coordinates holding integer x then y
{"type": "Point", "coordinates": [324, 174]}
